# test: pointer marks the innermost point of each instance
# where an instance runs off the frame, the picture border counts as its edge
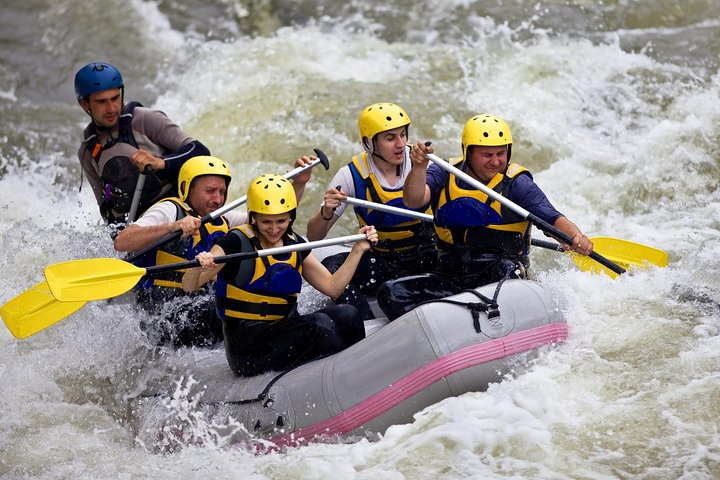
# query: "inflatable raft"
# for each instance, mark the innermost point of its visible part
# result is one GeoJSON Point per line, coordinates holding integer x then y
{"type": "Point", "coordinates": [438, 350]}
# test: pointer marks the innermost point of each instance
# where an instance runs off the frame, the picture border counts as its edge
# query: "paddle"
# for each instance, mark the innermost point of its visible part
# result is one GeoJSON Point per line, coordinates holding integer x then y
{"type": "Point", "coordinates": [138, 193]}
{"type": "Point", "coordinates": [625, 253]}
{"type": "Point", "coordinates": [36, 309]}
{"type": "Point", "coordinates": [537, 221]}
{"type": "Point", "coordinates": [628, 255]}
{"type": "Point", "coordinates": [100, 278]}
{"type": "Point", "coordinates": [389, 209]}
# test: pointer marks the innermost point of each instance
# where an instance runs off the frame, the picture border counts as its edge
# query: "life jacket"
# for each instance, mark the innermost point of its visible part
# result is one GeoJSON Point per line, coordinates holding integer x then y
{"type": "Point", "coordinates": [263, 289]}
{"type": "Point", "coordinates": [396, 233]}
{"type": "Point", "coordinates": [118, 174]}
{"type": "Point", "coordinates": [468, 218]}
{"type": "Point", "coordinates": [180, 249]}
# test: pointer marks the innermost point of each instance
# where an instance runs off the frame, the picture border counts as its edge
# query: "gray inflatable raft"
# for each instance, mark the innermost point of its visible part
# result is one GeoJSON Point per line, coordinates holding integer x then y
{"type": "Point", "coordinates": [436, 351]}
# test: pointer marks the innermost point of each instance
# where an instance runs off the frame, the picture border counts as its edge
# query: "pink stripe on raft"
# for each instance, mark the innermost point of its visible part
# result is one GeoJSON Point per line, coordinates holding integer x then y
{"type": "Point", "coordinates": [426, 375]}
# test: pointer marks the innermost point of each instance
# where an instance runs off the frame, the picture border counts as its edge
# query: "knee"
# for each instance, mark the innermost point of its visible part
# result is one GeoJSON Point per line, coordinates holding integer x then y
{"type": "Point", "coordinates": [348, 322]}
{"type": "Point", "coordinates": [342, 313]}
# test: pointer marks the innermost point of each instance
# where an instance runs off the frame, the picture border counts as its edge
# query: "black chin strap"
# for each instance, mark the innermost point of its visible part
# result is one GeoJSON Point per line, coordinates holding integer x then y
{"type": "Point", "coordinates": [374, 150]}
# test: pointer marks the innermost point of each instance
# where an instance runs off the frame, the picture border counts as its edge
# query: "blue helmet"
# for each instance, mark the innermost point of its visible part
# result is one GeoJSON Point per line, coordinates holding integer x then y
{"type": "Point", "coordinates": [96, 77]}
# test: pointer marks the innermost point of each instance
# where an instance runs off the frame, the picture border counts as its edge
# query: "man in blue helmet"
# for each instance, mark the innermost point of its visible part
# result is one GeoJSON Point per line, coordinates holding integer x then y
{"type": "Point", "coordinates": [122, 139]}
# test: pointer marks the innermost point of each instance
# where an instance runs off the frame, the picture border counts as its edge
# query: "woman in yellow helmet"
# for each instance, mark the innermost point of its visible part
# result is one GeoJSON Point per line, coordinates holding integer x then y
{"type": "Point", "coordinates": [180, 318]}
{"type": "Point", "coordinates": [257, 299]}
{"type": "Point", "coordinates": [377, 174]}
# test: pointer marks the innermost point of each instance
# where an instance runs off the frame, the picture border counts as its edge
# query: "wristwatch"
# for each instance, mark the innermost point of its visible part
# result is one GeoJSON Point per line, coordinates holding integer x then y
{"type": "Point", "coordinates": [327, 219]}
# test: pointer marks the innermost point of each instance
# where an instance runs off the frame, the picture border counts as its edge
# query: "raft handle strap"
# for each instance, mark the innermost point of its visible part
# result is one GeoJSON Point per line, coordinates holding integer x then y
{"type": "Point", "coordinates": [486, 305]}
{"type": "Point", "coordinates": [263, 396]}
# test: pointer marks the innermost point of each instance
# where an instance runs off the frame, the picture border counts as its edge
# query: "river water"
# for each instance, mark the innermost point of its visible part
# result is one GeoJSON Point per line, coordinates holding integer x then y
{"type": "Point", "coordinates": [614, 107]}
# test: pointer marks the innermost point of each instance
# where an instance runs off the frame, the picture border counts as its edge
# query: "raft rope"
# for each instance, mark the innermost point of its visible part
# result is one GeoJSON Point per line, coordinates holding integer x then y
{"type": "Point", "coordinates": [486, 305]}
{"type": "Point", "coordinates": [489, 306]}
{"type": "Point", "coordinates": [263, 396]}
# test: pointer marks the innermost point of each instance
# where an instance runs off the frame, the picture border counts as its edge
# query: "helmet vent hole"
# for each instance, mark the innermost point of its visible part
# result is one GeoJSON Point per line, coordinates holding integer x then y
{"type": "Point", "coordinates": [267, 203]}
{"type": "Point", "coordinates": [388, 118]}
{"type": "Point", "coordinates": [486, 134]}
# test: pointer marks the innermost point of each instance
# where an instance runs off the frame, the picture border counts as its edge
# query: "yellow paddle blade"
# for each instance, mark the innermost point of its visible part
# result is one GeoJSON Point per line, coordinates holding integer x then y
{"type": "Point", "coordinates": [92, 279]}
{"type": "Point", "coordinates": [35, 310]}
{"type": "Point", "coordinates": [628, 255]}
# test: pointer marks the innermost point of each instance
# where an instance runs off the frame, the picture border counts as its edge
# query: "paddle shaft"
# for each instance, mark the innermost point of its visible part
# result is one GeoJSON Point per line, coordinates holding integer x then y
{"type": "Point", "coordinates": [539, 222]}
{"type": "Point", "coordinates": [426, 217]}
{"type": "Point", "coordinates": [549, 245]}
{"type": "Point", "coordinates": [322, 159]}
{"type": "Point", "coordinates": [389, 209]}
{"type": "Point", "coordinates": [138, 193]}
{"type": "Point", "coordinates": [267, 252]}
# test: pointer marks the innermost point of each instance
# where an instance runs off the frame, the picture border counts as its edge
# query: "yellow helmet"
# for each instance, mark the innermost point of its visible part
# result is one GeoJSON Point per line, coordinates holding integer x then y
{"type": "Point", "coordinates": [487, 130]}
{"type": "Point", "coordinates": [198, 166]}
{"type": "Point", "coordinates": [380, 117]}
{"type": "Point", "coordinates": [271, 194]}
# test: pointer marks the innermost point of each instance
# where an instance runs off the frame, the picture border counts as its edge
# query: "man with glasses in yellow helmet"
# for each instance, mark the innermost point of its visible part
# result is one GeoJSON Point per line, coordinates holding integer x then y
{"type": "Point", "coordinates": [378, 175]}
{"type": "Point", "coordinates": [186, 319]}
{"type": "Point", "coordinates": [121, 140]}
{"type": "Point", "coordinates": [479, 240]}
{"type": "Point", "coordinates": [257, 298]}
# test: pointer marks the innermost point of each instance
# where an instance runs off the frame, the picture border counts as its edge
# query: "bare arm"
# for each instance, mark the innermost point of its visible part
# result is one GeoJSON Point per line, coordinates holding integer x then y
{"type": "Point", "coordinates": [320, 224]}
{"type": "Point", "coordinates": [135, 237]}
{"type": "Point", "coordinates": [416, 193]}
{"type": "Point", "coordinates": [580, 243]}
{"type": "Point", "coordinates": [196, 277]}
{"type": "Point", "coordinates": [299, 181]}
{"type": "Point", "coordinates": [333, 284]}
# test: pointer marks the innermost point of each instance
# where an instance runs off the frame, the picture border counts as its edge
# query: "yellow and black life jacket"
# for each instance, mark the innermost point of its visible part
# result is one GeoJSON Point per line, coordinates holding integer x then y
{"type": "Point", "coordinates": [469, 218]}
{"type": "Point", "coordinates": [265, 288]}
{"type": "Point", "coordinates": [396, 233]}
{"type": "Point", "coordinates": [180, 249]}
